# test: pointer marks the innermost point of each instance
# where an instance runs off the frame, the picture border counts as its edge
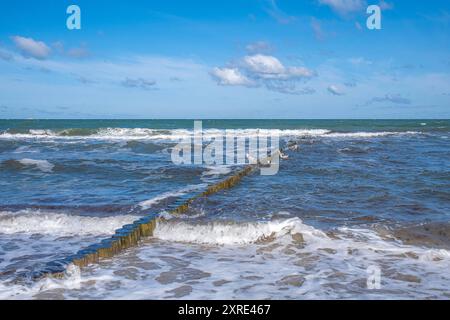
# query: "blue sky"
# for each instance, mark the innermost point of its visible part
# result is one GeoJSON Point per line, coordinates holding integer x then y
{"type": "Point", "coordinates": [225, 59]}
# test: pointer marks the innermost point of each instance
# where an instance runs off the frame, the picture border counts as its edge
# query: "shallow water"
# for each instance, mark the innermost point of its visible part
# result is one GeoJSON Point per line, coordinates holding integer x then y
{"type": "Point", "coordinates": [356, 195]}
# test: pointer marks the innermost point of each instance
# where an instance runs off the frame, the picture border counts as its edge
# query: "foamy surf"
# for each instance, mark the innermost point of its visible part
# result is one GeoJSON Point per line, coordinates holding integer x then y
{"type": "Point", "coordinates": [231, 233]}
{"type": "Point", "coordinates": [263, 260]}
{"type": "Point", "coordinates": [287, 231]}
{"type": "Point", "coordinates": [114, 134]}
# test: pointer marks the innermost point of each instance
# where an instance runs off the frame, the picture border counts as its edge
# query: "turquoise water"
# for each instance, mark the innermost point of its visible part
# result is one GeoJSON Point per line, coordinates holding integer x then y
{"type": "Point", "coordinates": [334, 125]}
{"type": "Point", "coordinates": [361, 192]}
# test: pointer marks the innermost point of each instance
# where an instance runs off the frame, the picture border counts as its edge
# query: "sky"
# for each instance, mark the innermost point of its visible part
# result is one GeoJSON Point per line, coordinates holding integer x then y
{"type": "Point", "coordinates": [284, 59]}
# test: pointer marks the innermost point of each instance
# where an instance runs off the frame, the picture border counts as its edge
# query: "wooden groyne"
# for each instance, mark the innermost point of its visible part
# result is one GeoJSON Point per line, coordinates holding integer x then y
{"type": "Point", "coordinates": [131, 234]}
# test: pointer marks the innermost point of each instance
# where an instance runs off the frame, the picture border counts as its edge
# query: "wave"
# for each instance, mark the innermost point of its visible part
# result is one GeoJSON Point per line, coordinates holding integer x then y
{"type": "Point", "coordinates": [231, 233]}
{"type": "Point", "coordinates": [62, 224]}
{"type": "Point", "coordinates": [288, 259]}
{"type": "Point", "coordinates": [153, 201]}
{"type": "Point", "coordinates": [179, 134]}
{"type": "Point", "coordinates": [42, 165]}
{"type": "Point", "coordinates": [293, 231]}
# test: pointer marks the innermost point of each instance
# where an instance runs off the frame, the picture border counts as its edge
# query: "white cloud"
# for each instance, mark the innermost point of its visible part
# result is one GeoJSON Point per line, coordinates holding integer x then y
{"type": "Point", "coordinates": [119, 72]}
{"type": "Point", "coordinates": [335, 90]}
{"type": "Point", "coordinates": [300, 72]}
{"type": "Point", "coordinates": [264, 70]}
{"type": "Point", "coordinates": [344, 7]}
{"type": "Point", "coordinates": [269, 67]}
{"type": "Point", "coordinates": [230, 77]}
{"type": "Point", "coordinates": [32, 48]}
{"type": "Point", "coordinates": [264, 65]}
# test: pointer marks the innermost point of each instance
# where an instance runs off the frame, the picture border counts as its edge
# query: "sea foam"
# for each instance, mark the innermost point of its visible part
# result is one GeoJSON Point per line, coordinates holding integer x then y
{"type": "Point", "coordinates": [62, 224]}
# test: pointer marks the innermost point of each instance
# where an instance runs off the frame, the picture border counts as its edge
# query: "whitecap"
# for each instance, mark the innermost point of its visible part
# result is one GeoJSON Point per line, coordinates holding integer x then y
{"type": "Point", "coordinates": [230, 233]}
{"type": "Point", "coordinates": [42, 165]}
{"type": "Point", "coordinates": [62, 224]}
{"type": "Point", "coordinates": [155, 200]}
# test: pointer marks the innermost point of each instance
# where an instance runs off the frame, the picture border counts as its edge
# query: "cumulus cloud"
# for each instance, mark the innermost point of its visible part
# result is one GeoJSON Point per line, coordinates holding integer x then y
{"type": "Point", "coordinates": [31, 48]}
{"type": "Point", "coordinates": [392, 98]}
{"type": "Point", "coordinates": [269, 67]}
{"type": "Point", "coordinates": [263, 65]}
{"type": "Point", "coordinates": [139, 83]}
{"type": "Point", "coordinates": [344, 7]}
{"type": "Point", "coordinates": [230, 77]}
{"type": "Point", "coordinates": [264, 70]}
{"type": "Point", "coordinates": [335, 90]}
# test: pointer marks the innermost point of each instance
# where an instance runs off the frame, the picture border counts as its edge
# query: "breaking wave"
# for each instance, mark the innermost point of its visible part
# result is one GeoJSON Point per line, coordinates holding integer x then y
{"type": "Point", "coordinates": [230, 233]}
{"type": "Point", "coordinates": [343, 241]}
{"type": "Point", "coordinates": [50, 223]}
{"type": "Point", "coordinates": [178, 134]}
{"type": "Point", "coordinates": [42, 165]}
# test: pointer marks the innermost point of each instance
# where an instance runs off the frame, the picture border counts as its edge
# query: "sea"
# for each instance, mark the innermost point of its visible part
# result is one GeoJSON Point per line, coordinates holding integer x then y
{"type": "Point", "coordinates": [360, 209]}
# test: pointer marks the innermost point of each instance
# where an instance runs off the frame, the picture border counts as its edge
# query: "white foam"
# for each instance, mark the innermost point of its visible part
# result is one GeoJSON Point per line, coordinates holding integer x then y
{"type": "Point", "coordinates": [223, 233]}
{"type": "Point", "coordinates": [179, 134]}
{"type": "Point", "coordinates": [40, 132]}
{"type": "Point", "coordinates": [42, 165]}
{"type": "Point", "coordinates": [155, 200]}
{"type": "Point", "coordinates": [49, 223]}
{"type": "Point", "coordinates": [217, 170]}
{"type": "Point", "coordinates": [332, 267]}
{"type": "Point", "coordinates": [369, 134]}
